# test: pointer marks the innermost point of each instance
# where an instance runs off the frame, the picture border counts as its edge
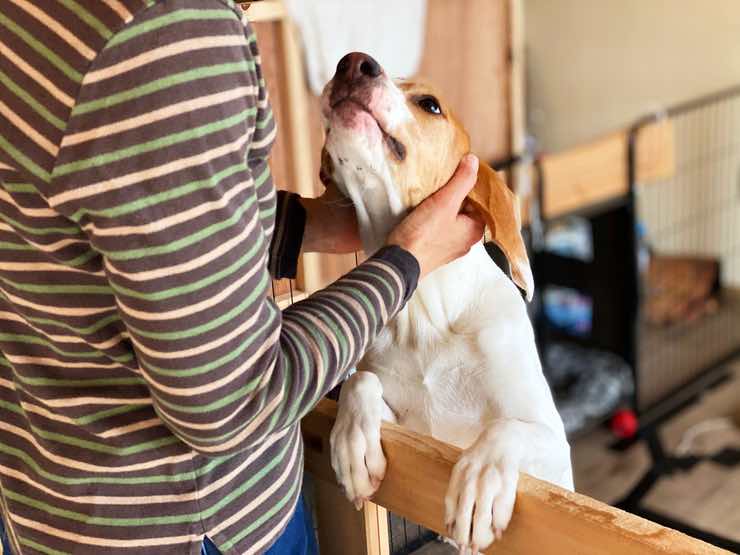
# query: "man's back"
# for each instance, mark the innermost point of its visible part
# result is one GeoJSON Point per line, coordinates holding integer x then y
{"type": "Point", "coordinates": [87, 176]}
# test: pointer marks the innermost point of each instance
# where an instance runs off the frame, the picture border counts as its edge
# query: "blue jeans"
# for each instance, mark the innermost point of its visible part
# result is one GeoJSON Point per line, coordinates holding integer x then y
{"type": "Point", "coordinates": [4, 539]}
{"type": "Point", "coordinates": [298, 538]}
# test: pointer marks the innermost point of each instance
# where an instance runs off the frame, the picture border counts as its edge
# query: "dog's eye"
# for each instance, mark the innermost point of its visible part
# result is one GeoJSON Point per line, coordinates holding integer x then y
{"type": "Point", "coordinates": [429, 104]}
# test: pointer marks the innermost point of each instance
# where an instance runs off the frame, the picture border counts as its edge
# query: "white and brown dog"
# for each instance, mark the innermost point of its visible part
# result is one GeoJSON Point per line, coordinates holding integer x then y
{"type": "Point", "coordinates": [459, 363]}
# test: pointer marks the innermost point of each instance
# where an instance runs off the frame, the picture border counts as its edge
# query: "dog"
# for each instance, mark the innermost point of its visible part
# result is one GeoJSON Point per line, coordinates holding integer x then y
{"type": "Point", "coordinates": [459, 362]}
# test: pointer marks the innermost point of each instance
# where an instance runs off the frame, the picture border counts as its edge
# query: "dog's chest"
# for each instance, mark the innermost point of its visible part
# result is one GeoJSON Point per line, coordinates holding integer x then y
{"type": "Point", "coordinates": [433, 388]}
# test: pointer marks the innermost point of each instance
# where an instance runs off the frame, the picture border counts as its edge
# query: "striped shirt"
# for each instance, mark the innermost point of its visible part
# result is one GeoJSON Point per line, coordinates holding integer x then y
{"type": "Point", "coordinates": [149, 389]}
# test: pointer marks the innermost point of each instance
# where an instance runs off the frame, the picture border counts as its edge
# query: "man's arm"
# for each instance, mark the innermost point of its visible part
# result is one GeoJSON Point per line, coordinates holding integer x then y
{"type": "Point", "coordinates": [164, 164]}
{"type": "Point", "coordinates": [326, 224]}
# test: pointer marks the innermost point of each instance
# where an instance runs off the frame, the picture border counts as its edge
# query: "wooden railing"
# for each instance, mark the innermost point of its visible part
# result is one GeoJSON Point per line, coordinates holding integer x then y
{"type": "Point", "coordinates": [547, 519]}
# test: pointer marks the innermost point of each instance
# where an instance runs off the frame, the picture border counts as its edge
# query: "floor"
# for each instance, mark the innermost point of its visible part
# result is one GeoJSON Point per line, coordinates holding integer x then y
{"type": "Point", "coordinates": [708, 497]}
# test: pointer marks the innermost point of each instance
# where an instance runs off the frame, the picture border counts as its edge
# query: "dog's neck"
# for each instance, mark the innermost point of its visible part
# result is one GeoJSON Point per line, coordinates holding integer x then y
{"type": "Point", "coordinates": [363, 174]}
{"type": "Point", "coordinates": [439, 298]}
{"type": "Point", "coordinates": [446, 295]}
{"type": "Point", "coordinates": [379, 211]}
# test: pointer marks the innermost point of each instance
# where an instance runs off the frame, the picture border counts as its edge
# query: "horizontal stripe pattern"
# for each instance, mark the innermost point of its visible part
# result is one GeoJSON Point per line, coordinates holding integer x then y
{"type": "Point", "coordinates": [149, 390]}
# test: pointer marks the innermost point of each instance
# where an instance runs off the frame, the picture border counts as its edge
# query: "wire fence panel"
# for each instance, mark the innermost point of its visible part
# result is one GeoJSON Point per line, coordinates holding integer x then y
{"type": "Point", "coordinates": [690, 309]}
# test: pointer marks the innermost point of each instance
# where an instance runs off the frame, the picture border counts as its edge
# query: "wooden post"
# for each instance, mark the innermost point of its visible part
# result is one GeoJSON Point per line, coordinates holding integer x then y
{"type": "Point", "coordinates": [345, 531]}
{"type": "Point", "coordinates": [298, 126]}
{"type": "Point", "coordinates": [521, 175]}
{"type": "Point", "coordinates": [547, 519]}
{"type": "Point", "coordinates": [376, 529]}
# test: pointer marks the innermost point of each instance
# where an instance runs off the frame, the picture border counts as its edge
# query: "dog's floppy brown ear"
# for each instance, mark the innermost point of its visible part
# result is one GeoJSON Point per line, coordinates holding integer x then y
{"type": "Point", "coordinates": [500, 208]}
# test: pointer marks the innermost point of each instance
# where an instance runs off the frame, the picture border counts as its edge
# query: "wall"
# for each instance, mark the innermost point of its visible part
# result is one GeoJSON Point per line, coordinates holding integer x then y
{"type": "Point", "coordinates": [596, 65]}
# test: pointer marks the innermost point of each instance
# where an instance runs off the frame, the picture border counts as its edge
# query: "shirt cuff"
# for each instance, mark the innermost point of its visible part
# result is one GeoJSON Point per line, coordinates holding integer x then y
{"type": "Point", "coordinates": [405, 263]}
{"type": "Point", "coordinates": [290, 223]}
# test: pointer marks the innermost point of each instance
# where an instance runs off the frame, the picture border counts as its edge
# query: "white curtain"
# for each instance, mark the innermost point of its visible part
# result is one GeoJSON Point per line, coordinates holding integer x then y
{"type": "Point", "coordinates": [391, 31]}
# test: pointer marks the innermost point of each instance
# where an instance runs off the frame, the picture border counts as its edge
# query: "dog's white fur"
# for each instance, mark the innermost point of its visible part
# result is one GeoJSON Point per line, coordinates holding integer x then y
{"type": "Point", "coordinates": [459, 362]}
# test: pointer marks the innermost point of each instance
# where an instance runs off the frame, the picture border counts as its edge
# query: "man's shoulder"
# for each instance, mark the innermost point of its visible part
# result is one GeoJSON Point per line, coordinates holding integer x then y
{"type": "Point", "coordinates": [117, 17]}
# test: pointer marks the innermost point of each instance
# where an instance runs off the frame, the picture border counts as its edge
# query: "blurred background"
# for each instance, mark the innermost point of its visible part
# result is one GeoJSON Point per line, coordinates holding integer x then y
{"type": "Point", "coordinates": [593, 67]}
{"type": "Point", "coordinates": [618, 124]}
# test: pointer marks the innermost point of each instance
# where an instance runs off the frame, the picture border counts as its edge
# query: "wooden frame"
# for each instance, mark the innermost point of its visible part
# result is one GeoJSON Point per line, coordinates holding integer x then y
{"type": "Point", "coordinates": [547, 519]}
{"type": "Point", "coordinates": [597, 171]}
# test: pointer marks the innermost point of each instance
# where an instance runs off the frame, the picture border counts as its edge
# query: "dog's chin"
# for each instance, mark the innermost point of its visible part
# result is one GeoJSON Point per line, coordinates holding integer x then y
{"type": "Point", "coordinates": [355, 122]}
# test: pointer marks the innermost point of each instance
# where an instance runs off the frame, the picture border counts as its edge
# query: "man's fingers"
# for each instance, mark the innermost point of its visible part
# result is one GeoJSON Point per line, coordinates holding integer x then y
{"type": "Point", "coordinates": [468, 209]}
{"type": "Point", "coordinates": [462, 181]}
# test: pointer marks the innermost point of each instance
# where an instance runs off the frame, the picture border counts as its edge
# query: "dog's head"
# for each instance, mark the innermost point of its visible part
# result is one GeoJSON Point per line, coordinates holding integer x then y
{"type": "Point", "coordinates": [390, 144]}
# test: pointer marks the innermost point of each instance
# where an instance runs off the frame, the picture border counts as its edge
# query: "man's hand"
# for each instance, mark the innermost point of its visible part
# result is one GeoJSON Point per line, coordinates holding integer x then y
{"type": "Point", "coordinates": [331, 224]}
{"type": "Point", "coordinates": [436, 232]}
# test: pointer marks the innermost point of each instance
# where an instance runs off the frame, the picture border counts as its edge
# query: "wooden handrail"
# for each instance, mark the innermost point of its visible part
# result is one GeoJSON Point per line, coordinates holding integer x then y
{"type": "Point", "coordinates": [547, 519]}
{"type": "Point", "coordinates": [597, 171]}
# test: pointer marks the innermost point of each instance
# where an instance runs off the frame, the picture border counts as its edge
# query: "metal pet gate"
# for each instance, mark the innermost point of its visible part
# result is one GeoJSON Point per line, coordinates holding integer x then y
{"type": "Point", "coordinates": [664, 282]}
{"type": "Point", "coordinates": [693, 216]}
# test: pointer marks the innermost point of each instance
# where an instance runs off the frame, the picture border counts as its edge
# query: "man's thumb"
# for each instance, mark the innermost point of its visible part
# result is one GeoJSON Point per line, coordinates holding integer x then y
{"type": "Point", "coordinates": [463, 180]}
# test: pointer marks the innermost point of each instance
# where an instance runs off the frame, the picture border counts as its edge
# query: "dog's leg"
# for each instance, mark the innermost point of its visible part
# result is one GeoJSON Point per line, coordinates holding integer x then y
{"type": "Point", "coordinates": [356, 454]}
{"type": "Point", "coordinates": [482, 490]}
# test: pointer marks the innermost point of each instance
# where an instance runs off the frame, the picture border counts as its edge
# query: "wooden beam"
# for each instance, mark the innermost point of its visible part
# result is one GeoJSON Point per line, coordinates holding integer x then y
{"type": "Point", "coordinates": [656, 152]}
{"type": "Point", "coordinates": [597, 171]}
{"type": "Point", "coordinates": [298, 131]}
{"type": "Point", "coordinates": [585, 175]}
{"type": "Point", "coordinates": [517, 98]}
{"type": "Point", "coordinates": [547, 519]}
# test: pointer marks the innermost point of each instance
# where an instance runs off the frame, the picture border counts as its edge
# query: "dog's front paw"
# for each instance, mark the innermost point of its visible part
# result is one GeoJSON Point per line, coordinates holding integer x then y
{"type": "Point", "coordinates": [480, 498]}
{"type": "Point", "coordinates": [356, 454]}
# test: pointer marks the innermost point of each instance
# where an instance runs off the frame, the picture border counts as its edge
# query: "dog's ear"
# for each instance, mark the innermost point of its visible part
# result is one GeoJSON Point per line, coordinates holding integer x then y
{"type": "Point", "coordinates": [500, 208]}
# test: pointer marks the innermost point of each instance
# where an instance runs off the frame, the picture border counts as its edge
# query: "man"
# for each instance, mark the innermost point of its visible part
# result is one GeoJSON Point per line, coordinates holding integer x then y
{"type": "Point", "coordinates": [150, 392]}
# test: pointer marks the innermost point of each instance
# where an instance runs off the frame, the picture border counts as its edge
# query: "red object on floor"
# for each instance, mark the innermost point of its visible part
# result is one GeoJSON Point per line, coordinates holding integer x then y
{"type": "Point", "coordinates": [624, 423]}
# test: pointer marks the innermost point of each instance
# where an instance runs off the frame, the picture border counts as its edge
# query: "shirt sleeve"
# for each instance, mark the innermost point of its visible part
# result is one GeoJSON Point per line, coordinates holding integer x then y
{"type": "Point", "coordinates": [164, 166]}
{"type": "Point", "coordinates": [290, 223]}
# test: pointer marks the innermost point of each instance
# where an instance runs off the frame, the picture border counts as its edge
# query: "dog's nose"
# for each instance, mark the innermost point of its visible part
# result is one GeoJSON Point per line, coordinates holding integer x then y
{"type": "Point", "coordinates": [356, 65]}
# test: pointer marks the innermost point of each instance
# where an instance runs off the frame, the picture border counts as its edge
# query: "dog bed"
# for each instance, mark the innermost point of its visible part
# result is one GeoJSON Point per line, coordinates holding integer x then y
{"type": "Point", "coordinates": [588, 384]}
